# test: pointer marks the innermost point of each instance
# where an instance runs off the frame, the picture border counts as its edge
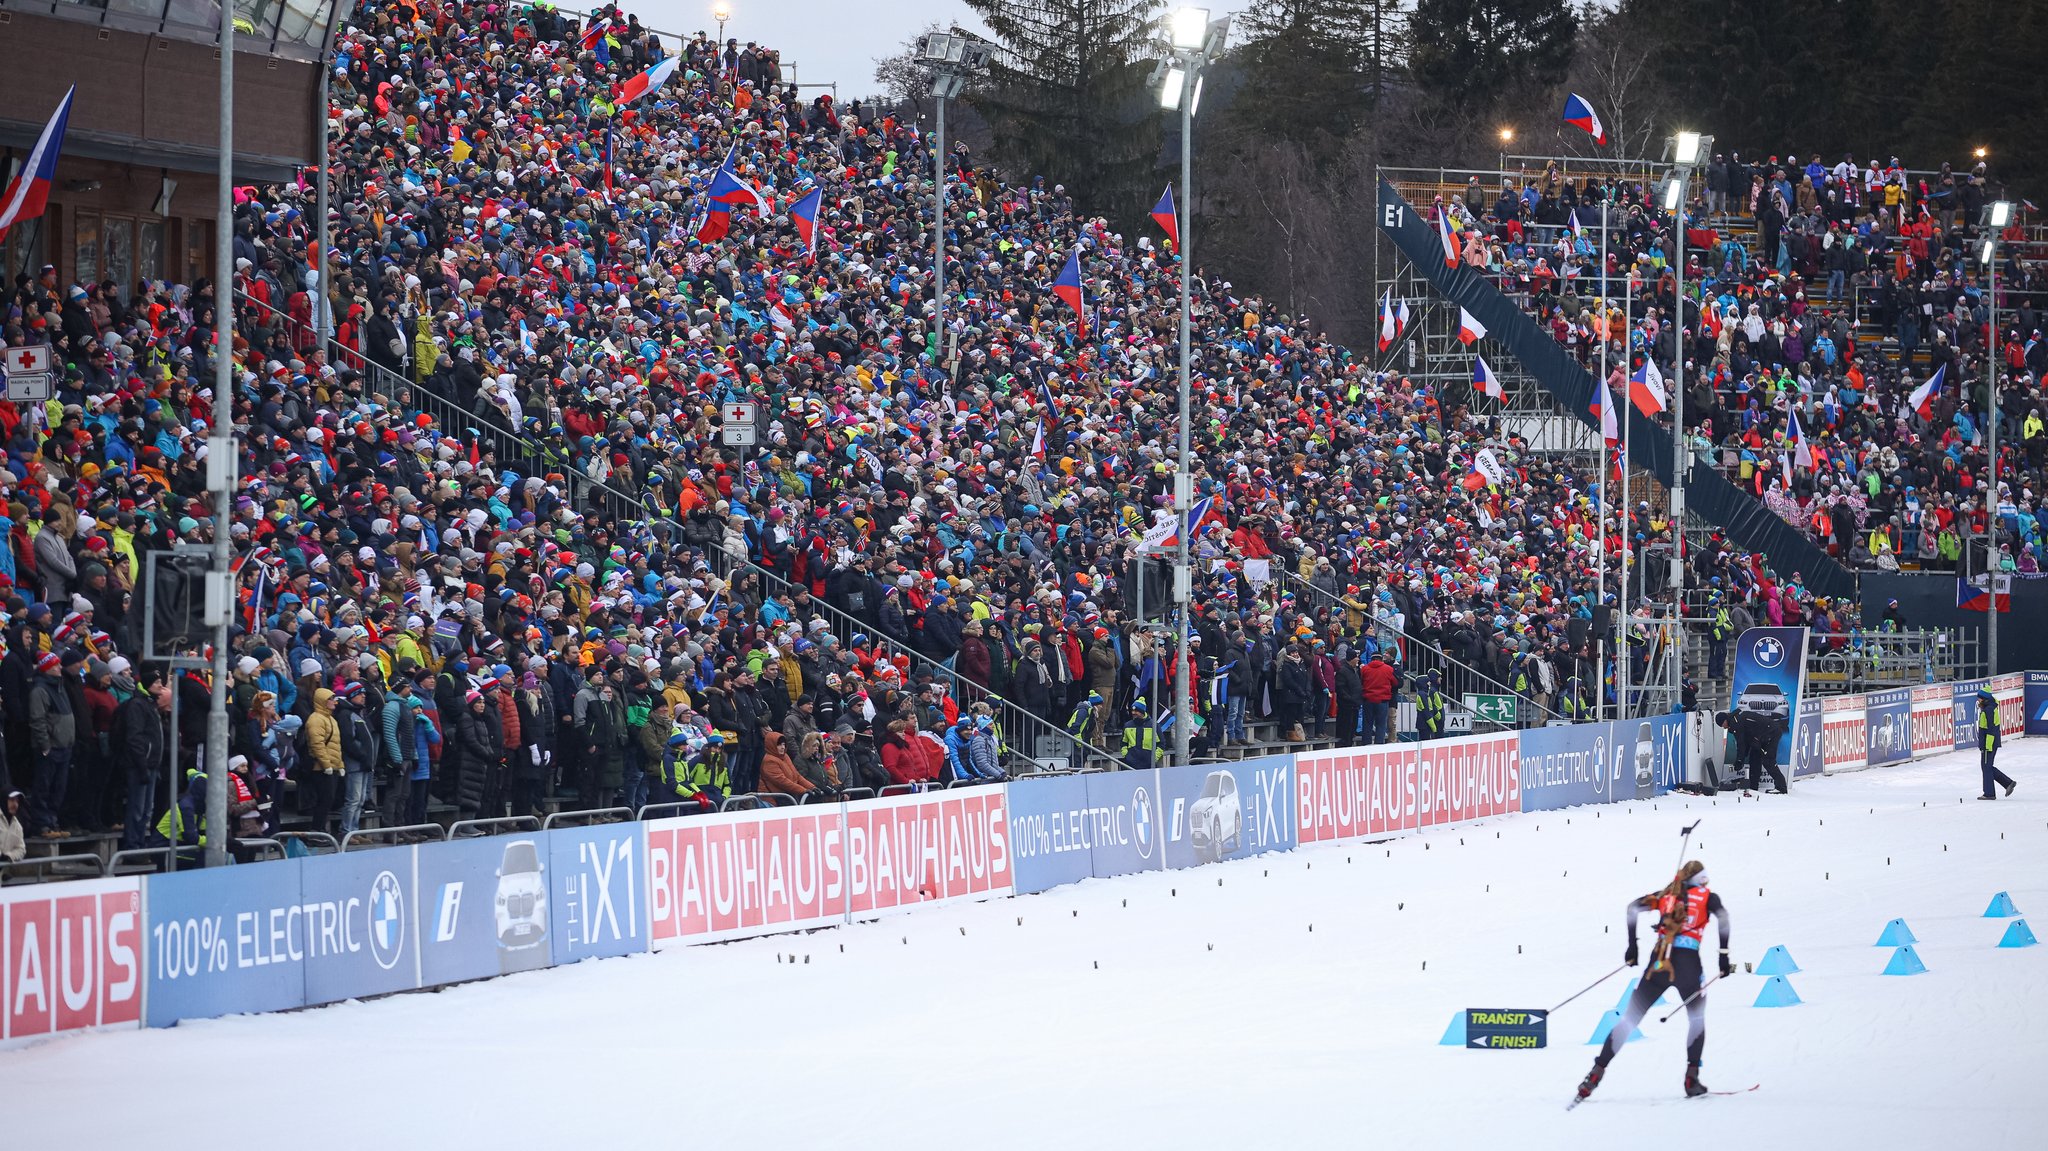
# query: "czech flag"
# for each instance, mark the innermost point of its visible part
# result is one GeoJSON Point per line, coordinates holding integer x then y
{"type": "Point", "coordinates": [1580, 114]}
{"type": "Point", "coordinates": [27, 195]}
{"type": "Point", "coordinates": [1610, 420]}
{"type": "Point", "coordinates": [1443, 235]}
{"type": "Point", "coordinates": [1802, 452]}
{"type": "Point", "coordinates": [1484, 380]}
{"type": "Point", "coordinates": [1067, 286]}
{"type": "Point", "coordinates": [1578, 233]}
{"type": "Point", "coordinates": [804, 214]}
{"type": "Point", "coordinates": [1470, 330]}
{"type": "Point", "coordinates": [1038, 441]}
{"type": "Point", "coordinates": [1646, 388]}
{"type": "Point", "coordinates": [1387, 320]}
{"type": "Point", "coordinates": [592, 34]}
{"type": "Point", "coordinates": [1923, 397]}
{"type": "Point", "coordinates": [1163, 215]}
{"type": "Point", "coordinates": [1400, 317]}
{"type": "Point", "coordinates": [648, 81]}
{"type": "Point", "coordinates": [726, 192]}
{"type": "Point", "coordinates": [1970, 597]}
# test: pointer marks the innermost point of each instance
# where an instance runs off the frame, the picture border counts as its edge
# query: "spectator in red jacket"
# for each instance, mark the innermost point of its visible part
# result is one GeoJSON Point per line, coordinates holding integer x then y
{"type": "Point", "coordinates": [908, 756]}
{"type": "Point", "coordinates": [1379, 680]}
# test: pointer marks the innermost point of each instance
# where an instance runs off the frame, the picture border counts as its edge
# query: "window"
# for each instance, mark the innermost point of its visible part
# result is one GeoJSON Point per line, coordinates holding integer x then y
{"type": "Point", "coordinates": [85, 247]}
{"type": "Point", "coordinates": [149, 251]}
{"type": "Point", "coordinates": [119, 265]}
{"type": "Point", "coordinates": [24, 247]}
{"type": "Point", "coordinates": [198, 249]}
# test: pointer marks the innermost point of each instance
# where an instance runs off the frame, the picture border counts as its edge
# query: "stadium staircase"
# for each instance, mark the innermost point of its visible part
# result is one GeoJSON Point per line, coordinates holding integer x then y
{"type": "Point", "coordinates": [1741, 518]}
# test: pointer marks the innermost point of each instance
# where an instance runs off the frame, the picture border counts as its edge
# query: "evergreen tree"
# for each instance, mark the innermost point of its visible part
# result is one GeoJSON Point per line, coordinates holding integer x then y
{"type": "Point", "coordinates": [1068, 99]}
{"type": "Point", "coordinates": [1468, 52]}
{"type": "Point", "coordinates": [1314, 69]}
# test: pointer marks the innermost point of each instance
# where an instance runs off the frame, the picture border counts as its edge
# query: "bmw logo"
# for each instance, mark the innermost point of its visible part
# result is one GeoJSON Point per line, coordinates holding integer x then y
{"type": "Point", "coordinates": [387, 920]}
{"type": "Point", "coordinates": [1769, 652]}
{"type": "Point", "coordinates": [1141, 822]}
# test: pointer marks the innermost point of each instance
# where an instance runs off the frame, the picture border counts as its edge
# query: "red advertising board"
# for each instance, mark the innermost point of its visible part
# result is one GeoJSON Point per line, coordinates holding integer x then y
{"type": "Point", "coordinates": [70, 957]}
{"type": "Point", "coordinates": [2011, 691]}
{"type": "Point", "coordinates": [1842, 738]}
{"type": "Point", "coordinates": [1933, 718]}
{"type": "Point", "coordinates": [756, 872]}
{"type": "Point", "coordinates": [1364, 792]}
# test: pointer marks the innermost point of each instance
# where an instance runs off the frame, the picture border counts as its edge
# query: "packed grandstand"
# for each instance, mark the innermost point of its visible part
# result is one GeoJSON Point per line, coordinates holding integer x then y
{"type": "Point", "coordinates": [496, 557]}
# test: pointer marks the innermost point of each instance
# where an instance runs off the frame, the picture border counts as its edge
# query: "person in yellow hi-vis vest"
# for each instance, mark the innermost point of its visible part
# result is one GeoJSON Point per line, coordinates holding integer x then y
{"type": "Point", "coordinates": [1987, 745]}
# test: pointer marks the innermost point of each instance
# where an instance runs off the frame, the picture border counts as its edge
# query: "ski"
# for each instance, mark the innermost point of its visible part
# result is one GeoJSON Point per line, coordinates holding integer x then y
{"type": "Point", "coordinates": [1578, 1099]}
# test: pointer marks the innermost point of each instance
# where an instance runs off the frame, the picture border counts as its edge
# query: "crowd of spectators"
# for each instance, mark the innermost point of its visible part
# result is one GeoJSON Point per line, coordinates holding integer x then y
{"type": "Point", "coordinates": [1829, 292]}
{"type": "Point", "coordinates": [928, 559]}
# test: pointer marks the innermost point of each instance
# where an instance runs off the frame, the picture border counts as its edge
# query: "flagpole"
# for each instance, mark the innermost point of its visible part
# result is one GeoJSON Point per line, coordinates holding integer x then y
{"type": "Point", "coordinates": [1606, 489]}
{"type": "Point", "coordinates": [1621, 654]}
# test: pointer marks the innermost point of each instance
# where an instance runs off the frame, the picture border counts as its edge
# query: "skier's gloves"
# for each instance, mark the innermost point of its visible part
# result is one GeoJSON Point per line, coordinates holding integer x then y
{"type": "Point", "coordinates": [1727, 965]}
{"type": "Point", "coordinates": [1632, 957]}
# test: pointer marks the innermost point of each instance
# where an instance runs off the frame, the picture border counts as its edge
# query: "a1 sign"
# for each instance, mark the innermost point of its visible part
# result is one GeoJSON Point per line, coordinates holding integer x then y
{"type": "Point", "coordinates": [32, 359]}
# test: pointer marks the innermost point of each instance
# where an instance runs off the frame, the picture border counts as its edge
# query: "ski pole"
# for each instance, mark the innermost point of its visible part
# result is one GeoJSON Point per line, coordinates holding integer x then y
{"type": "Point", "coordinates": [1689, 999]}
{"type": "Point", "coordinates": [1592, 985]}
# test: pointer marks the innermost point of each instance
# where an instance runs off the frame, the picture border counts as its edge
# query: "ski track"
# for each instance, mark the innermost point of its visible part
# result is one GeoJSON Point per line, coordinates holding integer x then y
{"type": "Point", "coordinates": [1278, 1037]}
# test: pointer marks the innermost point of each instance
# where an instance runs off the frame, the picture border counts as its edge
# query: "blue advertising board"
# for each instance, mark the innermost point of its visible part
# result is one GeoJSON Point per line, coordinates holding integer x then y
{"type": "Point", "coordinates": [1051, 829]}
{"type": "Point", "coordinates": [1963, 711]}
{"type": "Point", "coordinates": [482, 908]}
{"type": "Point", "coordinates": [377, 947]}
{"type": "Point", "coordinates": [597, 897]}
{"type": "Point", "coordinates": [1601, 762]}
{"type": "Point", "coordinates": [1807, 728]}
{"type": "Point", "coordinates": [230, 940]}
{"type": "Point", "coordinates": [1770, 671]}
{"type": "Point", "coordinates": [2037, 704]}
{"type": "Point", "coordinates": [1227, 810]}
{"type": "Point", "coordinates": [1124, 809]}
{"type": "Point", "coordinates": [1888, 726]}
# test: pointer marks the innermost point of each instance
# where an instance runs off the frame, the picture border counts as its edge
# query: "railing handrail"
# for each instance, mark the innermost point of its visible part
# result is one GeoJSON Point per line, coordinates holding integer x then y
{"type": "Point", "coordinates": [1338, 604]}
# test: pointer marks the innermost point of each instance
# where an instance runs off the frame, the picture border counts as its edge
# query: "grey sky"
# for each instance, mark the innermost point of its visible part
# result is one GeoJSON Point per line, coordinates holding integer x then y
{"type": "Point", "coordinates": [828, 40]}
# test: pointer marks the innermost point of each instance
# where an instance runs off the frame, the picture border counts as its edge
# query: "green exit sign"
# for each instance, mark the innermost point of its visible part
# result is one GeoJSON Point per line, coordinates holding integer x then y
{"type": "Point", "coordinates": [1491, 708]}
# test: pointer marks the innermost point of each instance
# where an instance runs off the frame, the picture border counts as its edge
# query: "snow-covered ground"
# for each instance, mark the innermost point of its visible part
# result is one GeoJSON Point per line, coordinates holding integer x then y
{"type": "Point", "coordinates": [1280, 1002]}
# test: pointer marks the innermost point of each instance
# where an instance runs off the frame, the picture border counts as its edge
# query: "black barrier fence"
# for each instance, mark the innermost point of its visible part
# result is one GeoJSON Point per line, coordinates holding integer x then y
{"type": "Point", "coordinates": [1930, 602]}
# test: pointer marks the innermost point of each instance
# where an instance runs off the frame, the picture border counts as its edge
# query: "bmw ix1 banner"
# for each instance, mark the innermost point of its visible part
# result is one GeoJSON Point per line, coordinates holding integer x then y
{"type": "Point", "coordinates": [1770, 672]}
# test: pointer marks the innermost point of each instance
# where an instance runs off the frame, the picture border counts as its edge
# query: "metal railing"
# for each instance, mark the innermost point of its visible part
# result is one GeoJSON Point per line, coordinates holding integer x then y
{"type": "Point", "coordinates": [498, 825]}
{"type": "Point", "coordinates": [1046, 740]}
{"type": "Point", "coordinates": [587, 817]}
{"type": "Point", "coordinates": [367, 837]}
{"type": "Point", "coordinates": [48, 868]}
{"type": "Point", "coordinates": [1418, 653]}
{"type": "Point", "coordinates": [1863, 659]}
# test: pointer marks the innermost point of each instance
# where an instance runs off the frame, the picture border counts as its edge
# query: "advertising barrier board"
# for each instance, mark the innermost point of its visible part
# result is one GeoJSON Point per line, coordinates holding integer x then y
{"type": "Point", "coordinates": [737, 874]}
{"type": "Point", "coordinates": [1125, 807]}
{"type": "Point", "coordinates": [231, 940]}
{"type": "Point", "coordinates": [71, 957]}
{"type": "Point", "coordinates": [1353, 792]}
{"type": "Point", "coordinates": [371, 892]}
{"type": "Point", "coordinates": [1052, 831]}
{"type": "Point", "coordinates": [1227, 810]}
{"type": "Point", "coordinates": [1601, 762]}
{"type": "Point", "coordinates": [597, 903]}
{"type": "Point", "coordinates": [2036, 704]}
{"type": "Point", "coordinates": [1842, 741]}
{"type": "Point", "coordinates": [1933, 719]}
{"type": "Point", "coordinates": [1770, 677]}
{"type": "Point", "coordinates": [1888, 727]}
{"type": "Point", "coordinates": [1808, 727]}
{"type": "Point", "coordinates": [482, 908]}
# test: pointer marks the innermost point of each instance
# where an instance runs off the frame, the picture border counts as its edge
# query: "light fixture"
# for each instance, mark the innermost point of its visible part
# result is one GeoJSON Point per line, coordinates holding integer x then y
{"type": "Point", "coordinates": [1688, 148]}
{"type": "Point", "coordinates": [1998, 214]}
{"type": "Point", "coordinates": [1187, 28]}
{"type": "Point", "coordinates": [1982, 152]}
{"type": "Point", "coordinates": [1195, 101]}
{"type": "Point", "coordinates": [721, 11]}
{"type": "Point", "coordinates": [1170, 87]}
{"type": "Point", "coordinates": [1507, 135]}
{"type": "Point", "coordinates": [1674, 194]}
{"type": "Point", "coordinates": [1985, 253]}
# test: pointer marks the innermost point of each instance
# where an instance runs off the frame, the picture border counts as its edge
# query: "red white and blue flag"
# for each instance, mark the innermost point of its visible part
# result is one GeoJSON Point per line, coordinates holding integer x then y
{"type": "Point", "coordinates": [29, 193]}
{"type": "Point", "coordinates": [1646, 389]}
{"type": "Point", "coordinates": [648, 81]}
{"type": "Point", "coordinates": [1387, 320]}
{"type": "Point", "coordinates": [1470, 330]}
{"type": "Point", "coordinates": [1802, 452]}
{"type": "Point", "coordinates": [804, 214]}
{"type": "Point", "coordinates": [1970, 597]}
{"type": "Point", "coordinates": [1484, 379]}
{"type": "Point", "coordinates": [1580, 114]}
{"type": "Point", "coordinates": [1444, 236]}
{"type": "Point", "coordinates": [1067, 286]}
{"type": "Point", "coordinates": [1163, 215]}
{"type": "Point", "coordinates": [727, 191]}
{"type": "Point", "coordinates": [1610, 420]}
{"type": "Point", "coordinates": [1578, 233]}
{"type": "Point", "coordinates": [1923, 397]}
{"type": "Point", "coordinates": [1400, 317]}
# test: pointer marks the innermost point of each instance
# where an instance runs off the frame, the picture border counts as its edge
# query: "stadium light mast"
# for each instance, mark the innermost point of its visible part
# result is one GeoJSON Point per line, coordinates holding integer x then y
{"type": "Point", "coordinates": [1193, 42]}
{"type": "Point", "coordinates": [220, 459]}
{"type": "Point", "coordinates": [1997, 217]}
{"type": "Point", "coordinates": [721, 12]}
{"type": "Point", "coordinates": [954, 58]}
{"type": "Point", "coordinates": [1690, 149]}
